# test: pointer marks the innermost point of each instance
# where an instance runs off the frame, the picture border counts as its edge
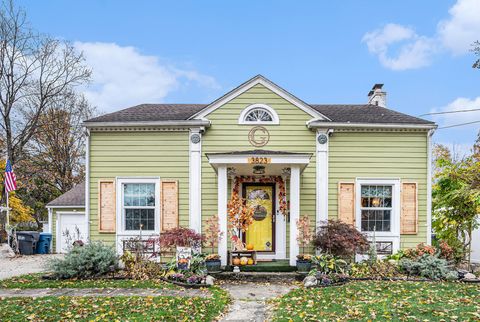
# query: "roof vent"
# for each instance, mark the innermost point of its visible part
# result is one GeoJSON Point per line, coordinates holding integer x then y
{"type": "Point", "coordinates": [377, 97]}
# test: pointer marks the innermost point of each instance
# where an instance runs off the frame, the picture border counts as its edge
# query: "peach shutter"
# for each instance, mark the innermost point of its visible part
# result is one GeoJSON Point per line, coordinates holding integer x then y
{"type": "Point", "coordinates": [106, 206]}
{"type": "Point", "coordinates": [409, 215]}
{"type": "Point", "coordinates": [346, 202]}
{"type": "Point", "coordinates": [169, 204]}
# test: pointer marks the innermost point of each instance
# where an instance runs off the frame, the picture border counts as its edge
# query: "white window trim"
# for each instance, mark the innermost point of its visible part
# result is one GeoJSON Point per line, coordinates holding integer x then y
{"type": "Point", "coordinates": [275, 119]}
{"type": "Point", "coordinates": [120, 220]}
{"type": "Point", "coordinates": [394, 216]}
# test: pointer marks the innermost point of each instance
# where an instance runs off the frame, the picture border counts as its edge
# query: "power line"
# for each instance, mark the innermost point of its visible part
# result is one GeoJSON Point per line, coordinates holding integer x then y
{"type": "Point", "coordinates": [450, 112]}
{"type": "Point", "coordinates": [455, 125]}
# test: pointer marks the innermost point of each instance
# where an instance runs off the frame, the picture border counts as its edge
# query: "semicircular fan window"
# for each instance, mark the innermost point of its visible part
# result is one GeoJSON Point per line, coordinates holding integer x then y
{"type": "Point", "coordinates": [259, 115]}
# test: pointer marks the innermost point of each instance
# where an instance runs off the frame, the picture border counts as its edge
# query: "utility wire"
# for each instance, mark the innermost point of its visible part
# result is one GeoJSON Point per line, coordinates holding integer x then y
{"type": "Point", "coordinates": [450, 112]}
{"type": "Point", "coordinates": [455, 125]}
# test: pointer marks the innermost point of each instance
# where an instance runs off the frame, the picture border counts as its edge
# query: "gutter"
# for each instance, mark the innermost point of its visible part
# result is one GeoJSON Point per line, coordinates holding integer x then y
{"type": "Point", "coordinates": [327, 125]}
{"type": "Point", "coordinates": [187, 123]}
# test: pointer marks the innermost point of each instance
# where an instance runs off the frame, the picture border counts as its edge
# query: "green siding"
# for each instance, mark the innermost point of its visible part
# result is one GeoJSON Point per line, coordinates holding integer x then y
{"type": "Point", "coordinates": [381, 155]}
{"type": "Point", "coordinates": [54, 223]}
{"type": "Point", "coordinates": [225, 134]}
{"type": "Point", "coordinates": [124, 154]}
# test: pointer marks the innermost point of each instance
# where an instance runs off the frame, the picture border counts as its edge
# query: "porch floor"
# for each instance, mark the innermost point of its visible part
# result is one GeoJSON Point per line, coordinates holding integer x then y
{"type": "Point", "coordinates": [270, 266]}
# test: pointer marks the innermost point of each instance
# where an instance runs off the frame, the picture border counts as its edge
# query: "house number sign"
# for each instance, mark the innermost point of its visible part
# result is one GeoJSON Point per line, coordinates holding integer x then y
{"type": "Point", "coordinates": [259, 160]}
{"type": "Point", "coordinates": [258, 136]}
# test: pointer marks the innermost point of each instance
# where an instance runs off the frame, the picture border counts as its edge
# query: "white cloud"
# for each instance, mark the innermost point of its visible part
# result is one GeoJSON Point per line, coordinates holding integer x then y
{"type": "Point", "coordinates": [415, 51]}
{"type": "Point", "coordinates": [122, 76]}
{"type": "Point", "coordinates": [462, 28]}
{"type": "Point", "coordinates": [456, 34]}
{"type": "Point", "coordinates": [459, 104]}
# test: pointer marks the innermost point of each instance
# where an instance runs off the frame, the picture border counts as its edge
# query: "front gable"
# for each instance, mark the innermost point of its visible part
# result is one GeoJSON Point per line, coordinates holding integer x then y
{"type": "Point", "coordinates": [259, 82]}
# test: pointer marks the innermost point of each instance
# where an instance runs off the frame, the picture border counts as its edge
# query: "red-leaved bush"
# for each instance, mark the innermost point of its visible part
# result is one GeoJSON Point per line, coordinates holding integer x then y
{"type": "Point", "coordinates": [182, 237]}
{"type": "Point", "coordinates": [340, 239]}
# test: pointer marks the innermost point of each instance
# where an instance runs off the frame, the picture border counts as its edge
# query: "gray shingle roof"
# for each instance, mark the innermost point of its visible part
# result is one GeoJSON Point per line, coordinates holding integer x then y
{"type": "Point", "coordinates": [73, 197]}
{"type": "Point", "coordinates": [151, 112]}
{"type": "Point", "coordinates": [366, 113]}
{"type": "Point", "coordinates": [351, 113]}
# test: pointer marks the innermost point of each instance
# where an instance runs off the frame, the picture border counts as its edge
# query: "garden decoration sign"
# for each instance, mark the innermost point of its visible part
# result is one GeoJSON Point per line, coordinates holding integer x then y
{"type": "Point", "coordinates": [184, 255]}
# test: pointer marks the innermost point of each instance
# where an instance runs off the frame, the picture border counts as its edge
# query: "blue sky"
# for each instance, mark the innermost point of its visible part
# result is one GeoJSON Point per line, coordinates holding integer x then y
{"type": "Point", "coordinates": [321, 51]}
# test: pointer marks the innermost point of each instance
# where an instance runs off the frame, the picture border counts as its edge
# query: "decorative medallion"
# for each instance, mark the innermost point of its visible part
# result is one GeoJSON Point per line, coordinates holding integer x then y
{"type": "Point", "coordinates": [322, 138]}
{"type": "Point", "coordinates": [258, 136]}
{"type": "Point", "coordinates": [195, 138]}
{"type": "Point", "coordinates": [259, 213]}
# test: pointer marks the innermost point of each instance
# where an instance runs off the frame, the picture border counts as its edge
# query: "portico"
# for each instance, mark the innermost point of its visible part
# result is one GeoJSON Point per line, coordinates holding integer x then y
{"type": "Point", "coordinates": [263, 167]}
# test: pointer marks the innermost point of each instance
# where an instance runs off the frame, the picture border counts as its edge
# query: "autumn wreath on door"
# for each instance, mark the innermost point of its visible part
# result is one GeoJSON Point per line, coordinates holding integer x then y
{"type": "Point", "coordinates": [281, 195]}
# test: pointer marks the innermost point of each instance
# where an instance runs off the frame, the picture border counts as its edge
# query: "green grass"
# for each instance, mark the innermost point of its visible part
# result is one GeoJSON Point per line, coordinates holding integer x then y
{"type": "Point", "coordinates": [36, 281]}
{"type": "Point", "coordinates": [373, 300]}
{"type": "Point", "coordinates": [132, 308]}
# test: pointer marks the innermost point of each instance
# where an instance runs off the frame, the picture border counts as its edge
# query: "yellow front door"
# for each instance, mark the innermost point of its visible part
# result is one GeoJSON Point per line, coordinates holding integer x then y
{"type": "Point", "coordinates": [261, 232]}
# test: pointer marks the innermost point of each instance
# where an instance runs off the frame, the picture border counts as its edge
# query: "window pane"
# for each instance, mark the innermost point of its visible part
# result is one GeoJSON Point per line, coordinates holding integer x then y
{"type": "Point", "coordinates": [375, 220]}
{"type": "Point", "coordinates": [136, 217]}
{"type": "Point", "coordinates": [139, 194]}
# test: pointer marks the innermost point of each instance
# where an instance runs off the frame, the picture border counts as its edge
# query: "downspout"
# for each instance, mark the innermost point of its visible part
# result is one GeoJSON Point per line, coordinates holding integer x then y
{"type": "Point", "coordinates": [87, 182]}
{"type": "Point", "coordinates": [429, 186]}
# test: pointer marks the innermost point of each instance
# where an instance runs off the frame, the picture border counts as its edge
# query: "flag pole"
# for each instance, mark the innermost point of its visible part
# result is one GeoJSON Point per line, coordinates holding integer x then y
{"type": "Point", "coordinates": [8, 209]}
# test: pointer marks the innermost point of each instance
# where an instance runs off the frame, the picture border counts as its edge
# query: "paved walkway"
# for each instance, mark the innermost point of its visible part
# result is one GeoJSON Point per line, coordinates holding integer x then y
{"type": "Point", "coordinates": [249, 300]}
{"type": "Point", "coordinates": [103, 292]}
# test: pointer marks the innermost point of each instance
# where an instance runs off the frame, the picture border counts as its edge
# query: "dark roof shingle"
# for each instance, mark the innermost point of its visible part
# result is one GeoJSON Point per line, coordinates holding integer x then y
{"type": "Point", "coordinates": [73, 197]}
{"type": "Point", "coordinates": [365, 113]}
{"type": "Point", "coordinates": [151, 112]}
{"type": "Point", "coordinates": [347, 113]}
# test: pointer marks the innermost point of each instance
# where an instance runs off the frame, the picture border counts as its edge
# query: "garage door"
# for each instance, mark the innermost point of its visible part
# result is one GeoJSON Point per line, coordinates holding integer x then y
{"type": "Point", "coordinates": [72, 227]}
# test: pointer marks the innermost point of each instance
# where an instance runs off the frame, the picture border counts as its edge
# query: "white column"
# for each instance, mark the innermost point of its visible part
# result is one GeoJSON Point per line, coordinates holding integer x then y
{"type": "Point", "coordinates": [429, 187]}
{"type": "Point", "coordinates": [195, 184]}
{"type": "Point", "coordinates": [87, 184]}
{"type": "Point", "coordinates": [222, 211]}
{"type": "Point", "coordinates": [294, 212]}
{"type": "Point", "coordinates": [322, 176]}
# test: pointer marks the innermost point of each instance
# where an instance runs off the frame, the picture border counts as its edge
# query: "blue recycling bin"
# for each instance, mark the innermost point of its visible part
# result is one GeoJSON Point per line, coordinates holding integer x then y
{"type": "Point", "coordinates": [43, 244]}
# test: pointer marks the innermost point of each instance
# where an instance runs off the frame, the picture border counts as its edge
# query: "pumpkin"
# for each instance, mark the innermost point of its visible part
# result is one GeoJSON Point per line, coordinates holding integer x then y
{"type": "Point", "coordinates": [250, 261]}
{"type": "Point", "coordinates": [249, 247]}
{"type": "Point", "coordinates": [243, 261]}
{"type": "Point", "coordinates": [236, 261]}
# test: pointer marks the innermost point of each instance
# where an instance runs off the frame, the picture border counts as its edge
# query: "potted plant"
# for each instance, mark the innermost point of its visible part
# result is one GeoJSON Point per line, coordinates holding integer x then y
{"type": "Point", "coordinates": [304, 238]}
{"type": "Point", "coordinates": [212, 237]}
{"type": "Point", "coordinates": [240, 217]}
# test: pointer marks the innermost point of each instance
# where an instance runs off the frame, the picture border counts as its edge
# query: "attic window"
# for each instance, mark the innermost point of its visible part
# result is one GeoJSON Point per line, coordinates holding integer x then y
{"type": "Point", "coordinates": [258, 114]}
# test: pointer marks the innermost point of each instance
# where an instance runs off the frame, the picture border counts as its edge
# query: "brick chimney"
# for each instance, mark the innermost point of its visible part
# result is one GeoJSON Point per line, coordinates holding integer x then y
{"type": "Point", "coordinates": [377, 97]}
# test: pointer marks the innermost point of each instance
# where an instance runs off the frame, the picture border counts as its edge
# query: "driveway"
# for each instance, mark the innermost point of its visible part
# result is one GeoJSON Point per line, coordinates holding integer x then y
{"type": "Point", "coordinates": [21, 265]}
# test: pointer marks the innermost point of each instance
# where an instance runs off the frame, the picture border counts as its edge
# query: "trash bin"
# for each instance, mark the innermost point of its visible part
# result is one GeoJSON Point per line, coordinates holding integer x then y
{"type": "Point", "coordinates": [27, 242]}
{"type": "Point", "coordinates": [43, 245]}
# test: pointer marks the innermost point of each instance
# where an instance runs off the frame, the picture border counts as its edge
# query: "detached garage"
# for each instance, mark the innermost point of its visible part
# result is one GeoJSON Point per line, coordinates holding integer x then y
{"type": "Point", "coordinates": [66, 219]}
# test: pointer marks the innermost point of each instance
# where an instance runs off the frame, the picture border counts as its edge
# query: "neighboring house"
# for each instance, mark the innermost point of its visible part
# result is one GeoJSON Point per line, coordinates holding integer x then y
{"type": "Point", "coordinates": [66, 218]}
{"type": "Point", "coordinates": [163, 165]}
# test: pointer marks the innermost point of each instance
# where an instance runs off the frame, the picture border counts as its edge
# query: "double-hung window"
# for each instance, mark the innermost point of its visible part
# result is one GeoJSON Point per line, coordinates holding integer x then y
{"type": "Point", "coordinates": [139, 205]}
{"type": "Point", "coordinates": [378, 211]}
{"type": "Point", "coordinates": [376, 207]}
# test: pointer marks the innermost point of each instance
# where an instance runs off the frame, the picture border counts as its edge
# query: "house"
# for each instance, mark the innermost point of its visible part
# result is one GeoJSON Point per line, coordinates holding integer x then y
{"type": "Point", "coordinates": [159, 166]}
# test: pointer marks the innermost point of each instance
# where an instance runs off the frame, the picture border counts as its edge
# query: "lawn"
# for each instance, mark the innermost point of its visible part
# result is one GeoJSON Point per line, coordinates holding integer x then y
{"type": "Point", "coordinates": [131, 308]}
{"type": "Point", "coordinates": [36, 281]}
{"type": "Point", "coordinates": [375, 300]}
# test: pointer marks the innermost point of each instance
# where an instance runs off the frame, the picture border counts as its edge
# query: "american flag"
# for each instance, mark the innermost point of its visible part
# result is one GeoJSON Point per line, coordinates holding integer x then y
{"type": "Point", "coordinates": [10, 178]}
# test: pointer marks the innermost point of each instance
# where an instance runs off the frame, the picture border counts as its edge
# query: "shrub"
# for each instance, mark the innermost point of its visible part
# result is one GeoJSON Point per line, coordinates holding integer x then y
{"type": "Point", "coordinates": [379, 269]}
{"type": "Point", "coordinates": [428, 266]}
{"type": "Point", "coordinates": [328, 264]}
{"type": "Point", "coordinates": [92, 260]}
{"type": "Point", "coordinates": [182, 237]}
{"type": "Point", "coordinates": [340, 239]}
